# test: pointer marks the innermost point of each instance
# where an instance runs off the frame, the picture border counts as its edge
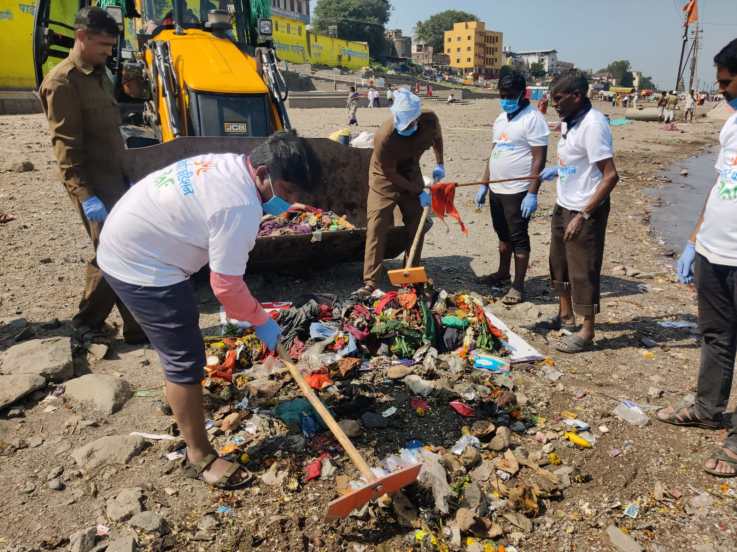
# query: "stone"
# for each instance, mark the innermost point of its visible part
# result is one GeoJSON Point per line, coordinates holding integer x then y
{"type": "Point", "coordinates": [123, 544]}
{"type": "Point", "coordinates": [112, 450]}
{"type": "Point", "coordinates": [351, 428]}
{"type": "Point", "coordinates": [97, 351]}
{"type": "Point", "coordinates": [418, 385]}
{"type": "Point", "coordinates": [470, 456]}
{"type": "Point", "coordinates": [15, 387]}
{"type": "Point", "coordinates": [398, 371]}
{"type": "Point", "coordinates": [124, 505]}
{"type": "Point", "coordinates": [83, 540]}
{"type": "Point", "coordinates": [482, 429]}
{"type": "Point", "coordinates": [621, 541]}
{"type": "Point", "coordinates": [502, 440]}
{"type": "Point", "coordinates": [55, 484]}
{"type": "Point", "coordinates": [150, 522]}
{"type": "Point", "coordinates": [35, 441]}
{"type": "Point", "coordinates": [208, 523]}
{"type": "Point", "coordinates": [484, 471]}
{"type": "Point", "coordinates": [50, 358]}
{"type": "Point", "coordinates": [55, 472]}
{"type": "Point", "coordinates": [464, 519]}
{"type": "Point", "coordinates": [654, 393]}
{"type": "Point", "coordinates": [22, 166]}
{"type": "Point", "coordinates": [372, 420]}
{"type": "Point", "coordinates": [106, 393]}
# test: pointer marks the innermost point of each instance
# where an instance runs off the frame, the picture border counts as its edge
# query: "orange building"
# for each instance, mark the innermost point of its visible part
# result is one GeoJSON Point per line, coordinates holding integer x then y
{"type": "Point", "coordinates": [473, 50]}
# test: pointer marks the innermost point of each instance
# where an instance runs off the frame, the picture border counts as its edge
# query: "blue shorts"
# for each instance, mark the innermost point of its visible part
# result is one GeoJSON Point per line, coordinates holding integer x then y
{"type": "Point", "coordinates": [171, 320]}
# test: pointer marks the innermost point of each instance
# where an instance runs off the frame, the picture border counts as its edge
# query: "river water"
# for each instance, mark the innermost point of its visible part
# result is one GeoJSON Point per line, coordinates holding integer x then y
{"type": "Point", "coordinates": [681, 200]}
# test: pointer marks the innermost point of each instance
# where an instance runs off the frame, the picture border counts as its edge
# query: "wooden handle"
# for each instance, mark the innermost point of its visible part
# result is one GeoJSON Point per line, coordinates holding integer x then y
{"type": "Point", "coordinates": [418, 234]}
{"type": "Point", "coordinates": [324, 413]}
{"type": "Point", "coordinates": [496, 181]}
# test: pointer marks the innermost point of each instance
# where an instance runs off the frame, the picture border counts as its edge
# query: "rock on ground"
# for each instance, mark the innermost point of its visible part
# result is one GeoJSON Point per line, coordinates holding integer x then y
{"type": "Point", "coordinates": [83, 540]}
{"type": "Point", "coordinates": [125, 504]}
{"type": "Point", "coordinates": [116, 449]}
{"type": "Point", "coordinates": [123, 544]}
{"type": "Point", "coordinates": [149, 522]}
{"type": "Point", "coordinates": [50, 358]}
{"type": "Point", "coordinates": [18, 386]}
{"type": "Point", "coordinates": [621, 541]}
{"type": "Point", "coordinates": [106, 393]}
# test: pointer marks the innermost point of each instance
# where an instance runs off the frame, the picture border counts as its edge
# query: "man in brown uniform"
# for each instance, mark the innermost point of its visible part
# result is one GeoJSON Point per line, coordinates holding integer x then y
{"type": "Point", "coordinates": [84, 121]}
{"type": "Point", "coordinates": [395, 178]}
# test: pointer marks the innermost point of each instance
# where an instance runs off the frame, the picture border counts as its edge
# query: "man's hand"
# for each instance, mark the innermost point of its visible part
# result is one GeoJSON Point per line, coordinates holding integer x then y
{"type": "Point", "coordinates": [574, 227]}
{"type": "Point", "coordinates": [438, 173]}
{"type": "Point", "coordinates": [480, 198]}
{"type": "Point", "coordinates": [549, 173]}
{"type": "Point", "coordinates": [425, 199]}
{"type": "Point", "coordinates": [529, 205]}
{"type": "Point", "coordinates": [94, 209]}
{"type": "Point", "coordinates": [684, 267]}
{"type": "Point", "coordinates": [269, 333]}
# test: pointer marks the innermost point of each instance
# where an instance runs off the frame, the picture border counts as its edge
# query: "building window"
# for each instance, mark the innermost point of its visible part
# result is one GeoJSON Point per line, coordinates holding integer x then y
{"type": "Point", "coordinates": [469, 37]}
{"type": "Point", "coordinates": [299, 30]}
{"type": "Point", "coordinates": [458, 49]}
{"type": "Point", "coordinates": [458, 60]}
{"type": "Point", "coordinates": [468, 60]}
{"type": "Point", "coordinates": [289, 28]}
{"type": "Point", "coordinates": [468, 49]}
{"type": "Point", "coordinates": [291, 5]}
{"type": "Point", "coordinates": [276, 26]}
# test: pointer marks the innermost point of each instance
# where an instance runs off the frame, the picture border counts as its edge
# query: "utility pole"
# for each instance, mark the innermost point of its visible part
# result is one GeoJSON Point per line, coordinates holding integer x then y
{"type": "Point", "coordinates": [679, 76]}
{"type": "Point", "coordinates": [695, 56]}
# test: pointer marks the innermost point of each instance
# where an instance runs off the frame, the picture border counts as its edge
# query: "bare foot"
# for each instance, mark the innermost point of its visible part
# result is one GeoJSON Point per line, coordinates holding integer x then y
{"type": "Point", "coordinates": [216, 470]}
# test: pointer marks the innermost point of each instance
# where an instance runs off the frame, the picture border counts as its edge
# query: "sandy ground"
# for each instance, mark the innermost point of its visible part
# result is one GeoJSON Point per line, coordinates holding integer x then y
{"type": "Point", "coordinates": [43, 254]}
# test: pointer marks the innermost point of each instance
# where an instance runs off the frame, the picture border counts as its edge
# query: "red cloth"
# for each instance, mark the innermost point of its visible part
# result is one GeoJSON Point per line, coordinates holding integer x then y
{"type": "Point", "coordinates": [443, 195]}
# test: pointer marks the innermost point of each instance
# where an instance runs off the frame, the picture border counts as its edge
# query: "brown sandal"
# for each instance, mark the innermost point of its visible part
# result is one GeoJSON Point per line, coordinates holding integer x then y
{"type": "Point", "coordinates": [721, 456]}
{"type": "Point", "coordinates": [689, 420]}
{"type": "Point", "coordinates": [194, 470]}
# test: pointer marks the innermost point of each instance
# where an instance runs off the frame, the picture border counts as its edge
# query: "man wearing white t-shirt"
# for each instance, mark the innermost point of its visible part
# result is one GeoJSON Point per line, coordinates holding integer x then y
{"type": "Point", "coordinates": [205, 210]}
{"type": "Point", "coordinates": [713, 250]}
{"type": "Point", "coordinates": [586, 177]}
{"type": "Point", "coordinates": [519, 149]}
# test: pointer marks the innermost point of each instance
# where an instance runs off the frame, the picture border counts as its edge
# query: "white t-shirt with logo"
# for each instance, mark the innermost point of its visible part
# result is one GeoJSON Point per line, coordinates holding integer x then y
{"type": "Point", "coordinates": [176, 220]}
{"type": "Point", "coordinates": [717, 238]}
{"type": "Point", "coordinates": [587, 143]}
{"type": "Point", "coordinates": [512, 153]}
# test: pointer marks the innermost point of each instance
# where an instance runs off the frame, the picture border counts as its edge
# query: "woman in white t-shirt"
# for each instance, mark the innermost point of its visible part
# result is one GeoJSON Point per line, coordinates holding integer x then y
{"type": "Point", "coordinates": [586, 177]}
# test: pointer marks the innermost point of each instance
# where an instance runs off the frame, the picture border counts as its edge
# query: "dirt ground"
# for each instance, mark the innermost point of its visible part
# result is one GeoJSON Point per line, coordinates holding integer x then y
{"type": "Point", "coordinates": [41, 276]}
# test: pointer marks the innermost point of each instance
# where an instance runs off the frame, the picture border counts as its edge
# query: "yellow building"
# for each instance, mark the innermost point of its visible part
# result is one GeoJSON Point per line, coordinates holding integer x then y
{"type": "Point", "coordinates": [474, 50]}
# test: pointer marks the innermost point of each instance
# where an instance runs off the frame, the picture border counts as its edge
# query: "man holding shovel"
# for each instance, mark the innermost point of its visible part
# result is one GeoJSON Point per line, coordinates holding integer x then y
{"type": "Point", "coordinates": [395, 178]}
{"type": "Point", "coordinates": [519, 149]}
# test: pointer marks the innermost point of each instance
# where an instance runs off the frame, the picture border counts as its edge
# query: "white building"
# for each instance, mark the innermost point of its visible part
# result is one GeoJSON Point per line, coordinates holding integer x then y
{"type": "Point", "coordinates": [293, 9]}
{"type": "Point", "coordinates": [547, 58]}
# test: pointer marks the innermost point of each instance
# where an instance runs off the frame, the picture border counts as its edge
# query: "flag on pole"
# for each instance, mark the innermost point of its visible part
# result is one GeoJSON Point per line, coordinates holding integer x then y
{"type": "Point", "coordinates": [692, 12]}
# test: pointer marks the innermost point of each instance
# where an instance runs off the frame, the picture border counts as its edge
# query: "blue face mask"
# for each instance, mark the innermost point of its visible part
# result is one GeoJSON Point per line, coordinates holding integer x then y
{"type": "Point", "coordinates": [276, 205]}
{"type": "Point", "coordinates": [509, 106]}
{"type": "Point", "coordinates": [732, 103]}
{"type": "Point", "coordinates": [409, 131]}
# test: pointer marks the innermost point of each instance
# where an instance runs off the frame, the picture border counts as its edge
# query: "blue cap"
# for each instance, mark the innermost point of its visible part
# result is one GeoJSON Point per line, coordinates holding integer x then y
{"type": "Point", "coordinates": [406, 108]}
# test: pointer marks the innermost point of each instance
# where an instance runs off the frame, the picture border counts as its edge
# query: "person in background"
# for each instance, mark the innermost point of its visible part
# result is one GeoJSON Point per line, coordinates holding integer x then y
{"type": "Point", "coordinates": [352, 106]}
{"type": "Point", "coordinates": [586, 177]}
{"type": "Point", "coordinates": [614, 100]}
{"type": "Point", "coordinates": [451, 98]}
{"type": "Point", "coordinates": [625, 101]}
{"type": "Point", "coordinates": [204, 210]}
{"type": "Point", "coordinates": [711, 255]}
{"type": "Point", "coordinates": [689, 108]}
{"type": "Point", "coordinates": [372, 96]}
{"type": "Point", "coordinates": [542, 104]}
{"type": "Point", "coordinates": [84, 120]}
{"type": "Point", "coordinates": [389, 96]}
{"type": "Point", "coordinates": [519, 149]}
{"type": "Point", "coordinates": [395, 178]}
{"type": "Point", "coordinates": [661, 106]}
{"type": "Point", "coordinates": [671, 102]}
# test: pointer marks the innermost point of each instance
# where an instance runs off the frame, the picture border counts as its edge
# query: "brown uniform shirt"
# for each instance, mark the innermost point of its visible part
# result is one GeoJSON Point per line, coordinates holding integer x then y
{"type": "Point", "coordinates": [395, 163]}
{"type": "Point", "coordinates": [84, 121]}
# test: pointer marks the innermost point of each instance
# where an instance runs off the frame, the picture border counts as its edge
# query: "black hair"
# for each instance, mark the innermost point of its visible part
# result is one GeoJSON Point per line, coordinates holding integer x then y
{"type": "Point", "coordinates": [573, 80]}
{"type": "Point", "coordinates": [727, 57]}
{"type": "Point", "coordinates": [512, 80]}
{"type": "Point", "coordinates": [95, 20]}
{"type": "Point", "coordinates": [288, 157]}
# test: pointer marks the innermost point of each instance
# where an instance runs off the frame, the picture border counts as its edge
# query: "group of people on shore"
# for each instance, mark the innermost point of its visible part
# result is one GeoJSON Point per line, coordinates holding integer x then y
{"type": "Point", "coordinates": [150, 237]}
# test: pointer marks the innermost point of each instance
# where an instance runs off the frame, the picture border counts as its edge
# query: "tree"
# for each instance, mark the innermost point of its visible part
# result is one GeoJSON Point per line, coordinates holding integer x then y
{"type": "Point", "coordinates": [537, 70]}
{"type": "Point", "coordinates": [646, 83]}
{"type": "Point", "coordinates": [362, 20]}
{"type": "Point", "coordinates": [621, 71]}
{"type": "Point", "coordinates": [431, 31]}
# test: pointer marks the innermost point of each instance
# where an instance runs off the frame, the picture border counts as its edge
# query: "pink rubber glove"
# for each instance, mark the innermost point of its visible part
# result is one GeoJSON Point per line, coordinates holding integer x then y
{"type": "Point", "coordinates": [234, 295]}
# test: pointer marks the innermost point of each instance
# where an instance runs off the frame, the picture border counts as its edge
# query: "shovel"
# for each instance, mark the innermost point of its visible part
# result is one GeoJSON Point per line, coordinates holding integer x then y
{"type": "Point", "coordinates": [411, 274]}
{"type": "Point", "coordinates": [376, 486]}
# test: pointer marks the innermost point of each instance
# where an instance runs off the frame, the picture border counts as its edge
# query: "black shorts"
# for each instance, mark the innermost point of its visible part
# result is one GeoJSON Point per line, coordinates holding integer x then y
{"type": "Point", "coordinates": [171, 320]}
{"type": "Point", "coordinates": [575, 265]}
{"type": "Point", "coordinates": [509, 224]}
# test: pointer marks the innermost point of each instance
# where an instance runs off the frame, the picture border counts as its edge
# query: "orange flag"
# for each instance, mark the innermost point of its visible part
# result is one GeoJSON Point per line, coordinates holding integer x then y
{"type": "Point", "coordinates": [692, 12]}
{"type": "Point", "coordinates": [443, 197]}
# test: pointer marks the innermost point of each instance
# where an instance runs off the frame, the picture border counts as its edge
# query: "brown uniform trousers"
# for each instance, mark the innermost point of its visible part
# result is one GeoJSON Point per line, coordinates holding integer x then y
{"type": "Point", "coordinates": [84, 121]}
{"type": "Point", "coordinates": [395, 180]}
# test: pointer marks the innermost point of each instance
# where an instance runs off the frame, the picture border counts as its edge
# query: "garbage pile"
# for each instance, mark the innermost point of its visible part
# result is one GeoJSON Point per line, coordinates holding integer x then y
{"type": "Point", "coordinates": [423, 370]}
{"type": "Point", "coordinates": [302, 221]}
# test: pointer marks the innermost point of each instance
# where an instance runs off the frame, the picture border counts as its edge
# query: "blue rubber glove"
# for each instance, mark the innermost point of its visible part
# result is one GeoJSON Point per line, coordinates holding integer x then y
{"type": "Point", "coordinates": [94, 209]}
{"type": "Point", "coordinates": [549, 173]}
{"type": "Point", "coordinates": [480, 198]}
{"type": "Point", "coordinates": [684, 267]}
{"type": "Point", "coordinates": [425, 199]}
{"type": "Point", "coordinates": [269, 333]}
{"type": "Point", "coordinates": [529, 205]}
{"type": "Point", "coordinates": [438, 173]}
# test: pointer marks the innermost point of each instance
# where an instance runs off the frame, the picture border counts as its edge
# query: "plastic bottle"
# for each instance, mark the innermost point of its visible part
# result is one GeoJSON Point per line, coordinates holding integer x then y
{"type": "Point", "coordinates": [631, 413]}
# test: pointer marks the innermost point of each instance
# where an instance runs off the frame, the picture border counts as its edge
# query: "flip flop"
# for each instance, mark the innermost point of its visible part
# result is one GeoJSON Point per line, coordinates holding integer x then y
{"type": "Point", "coordinates": [364, 292]}
{"type": "Point", "coordinates": [573, 343]}
{"type": "Point", "coordinates": [194, 470]}
{"type": "Point", "coordinates": [513, 297]}
{"type": "Point", "coordinates": [721, 456]}
{"type": "Point", "coordinates": [556, 323]}
{"type": "Point", "coordinates": [690, 420]}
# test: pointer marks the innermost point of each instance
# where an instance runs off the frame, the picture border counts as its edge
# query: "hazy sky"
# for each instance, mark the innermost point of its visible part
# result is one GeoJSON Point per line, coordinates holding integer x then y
{"type": "Point", "coordinates": [591, 33]}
